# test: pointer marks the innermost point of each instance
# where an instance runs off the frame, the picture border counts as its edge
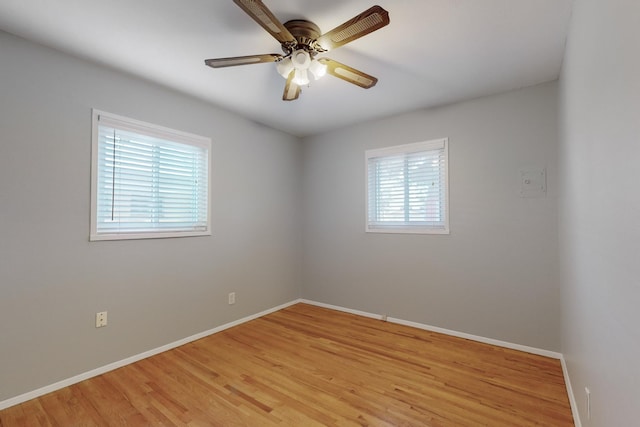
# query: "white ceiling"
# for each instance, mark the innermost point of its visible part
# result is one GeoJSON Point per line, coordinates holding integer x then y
{"type": "Point", "coordinates": [433, 52]}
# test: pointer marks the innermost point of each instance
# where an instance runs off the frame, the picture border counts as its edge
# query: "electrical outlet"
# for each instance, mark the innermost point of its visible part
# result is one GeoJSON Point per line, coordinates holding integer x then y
{"type": "Point", "coordinates": [232, 298]}
{"type": "Point", "coordinates": [101, 319]}
{"type": "Point", "coordinates": [587, 392]}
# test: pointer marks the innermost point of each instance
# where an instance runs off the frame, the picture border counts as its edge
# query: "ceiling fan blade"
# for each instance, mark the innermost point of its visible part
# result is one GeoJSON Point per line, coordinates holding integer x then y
{"type": "Point", "coordinates": [291, 90]}
{"type": "Point", "coordinates": [349, 74]}
{"type": "Point", "coordinates": [242, 60]}
{"type": "Point", "coordinates": [367, 22]}
{"type": "Point", "coordinates": [267, 20]}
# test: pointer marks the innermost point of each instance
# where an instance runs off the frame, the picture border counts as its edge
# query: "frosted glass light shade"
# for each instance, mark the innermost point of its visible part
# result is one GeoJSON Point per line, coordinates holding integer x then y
{"type": "Point", "coordinates": [301, 59]}
{"type": "Point", "coordinates": [284, 67]}
{"type": "Point", "coordinates": [301, 77]}
{"type": "Point", "coordinates": [300, 63]}
{"type": "Point", "coordinates": [317, 69]}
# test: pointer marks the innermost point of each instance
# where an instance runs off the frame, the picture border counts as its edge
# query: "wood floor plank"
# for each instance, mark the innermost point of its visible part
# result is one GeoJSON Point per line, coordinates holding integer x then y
{"type": "Point", "coordinates": [310, 366]}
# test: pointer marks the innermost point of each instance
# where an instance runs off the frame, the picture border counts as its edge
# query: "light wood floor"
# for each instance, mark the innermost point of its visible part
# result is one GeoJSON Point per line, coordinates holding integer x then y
{"type": "Point", "coordinates": [309, 366]}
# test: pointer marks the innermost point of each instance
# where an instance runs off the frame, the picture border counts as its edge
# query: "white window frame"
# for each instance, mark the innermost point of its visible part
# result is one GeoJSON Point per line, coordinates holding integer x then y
{"type": "Point", "coordinates": [407, 228]}
{"type": "Point", "coordinates": [152, 130]}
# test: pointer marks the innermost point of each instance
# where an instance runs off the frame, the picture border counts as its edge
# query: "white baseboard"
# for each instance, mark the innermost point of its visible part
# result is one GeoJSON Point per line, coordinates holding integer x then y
{"type": "Point", "coordinates": [343, 309]}
{"type": "Point", "coordinates": [478, 338]}
{"type": "Point", "coordinates": [112, 366]}
{"type": "Point", "coordinates": [505, 344]}
{"type": "Point", "coordinates": [572, 398]}
{"type": "Point", "coordinates": [115, 365]}
{"type": "Point", "coordinates": [527, 349]}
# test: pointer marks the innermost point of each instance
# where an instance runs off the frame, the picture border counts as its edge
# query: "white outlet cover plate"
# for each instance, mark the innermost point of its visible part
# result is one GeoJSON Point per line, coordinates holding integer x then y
{"type": "Point", "coordinates": [101, 319]}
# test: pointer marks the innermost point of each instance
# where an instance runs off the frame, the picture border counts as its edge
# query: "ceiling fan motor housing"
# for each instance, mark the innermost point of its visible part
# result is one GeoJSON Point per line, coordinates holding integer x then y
{"type": "Point", "coordinates": [306, 34]}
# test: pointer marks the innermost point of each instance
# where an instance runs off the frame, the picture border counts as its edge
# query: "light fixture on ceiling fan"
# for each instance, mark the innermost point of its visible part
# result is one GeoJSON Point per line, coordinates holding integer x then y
{"type": "Point", "coordinates": [300, 62]}
{"type": "Point", "coordinates": [302, 41]}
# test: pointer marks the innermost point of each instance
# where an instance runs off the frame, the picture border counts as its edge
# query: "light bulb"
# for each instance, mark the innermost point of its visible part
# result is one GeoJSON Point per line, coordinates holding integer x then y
{"type": "Point", "coordinates": [301, 78]}
{"type": "Point", "coordinates": [284, 67]}
{"type": "Point", "coordinates": [317, 69]}
{"type": "Point", "coordinates": [301, 59]}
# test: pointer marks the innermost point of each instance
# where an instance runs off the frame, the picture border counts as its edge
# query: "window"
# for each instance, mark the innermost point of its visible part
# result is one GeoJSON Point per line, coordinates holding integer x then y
{"type": "Point", "coordinates": [147, 181]}
{"type": "Point", "coordinates": [408, 188]}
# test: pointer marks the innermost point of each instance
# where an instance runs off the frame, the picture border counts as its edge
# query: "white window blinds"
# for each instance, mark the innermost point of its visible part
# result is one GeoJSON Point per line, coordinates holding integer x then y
{"type": "Point", "coordinates": [148, 181]}
{"type": "Point", "coordinates": [408, 188]}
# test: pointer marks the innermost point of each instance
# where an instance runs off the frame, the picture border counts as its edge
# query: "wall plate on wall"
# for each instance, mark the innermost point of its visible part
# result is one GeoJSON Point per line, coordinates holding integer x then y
{"type": "Point", "coordinates": [533, 182]}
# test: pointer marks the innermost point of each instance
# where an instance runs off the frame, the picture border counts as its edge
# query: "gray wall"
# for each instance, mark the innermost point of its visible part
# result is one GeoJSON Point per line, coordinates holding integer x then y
{"type": "Point", "coordinates": [53, 280]}
{"type": "Point", "coordinates": [495, 275]}
{"type": "Point", "coordinates": [600, 209]}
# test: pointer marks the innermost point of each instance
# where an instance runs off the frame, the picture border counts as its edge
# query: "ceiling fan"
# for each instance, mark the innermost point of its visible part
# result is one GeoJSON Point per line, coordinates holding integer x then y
{"type": "Point", "coordinates": [302, 41]}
